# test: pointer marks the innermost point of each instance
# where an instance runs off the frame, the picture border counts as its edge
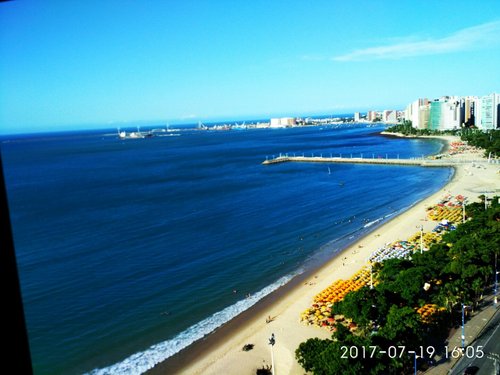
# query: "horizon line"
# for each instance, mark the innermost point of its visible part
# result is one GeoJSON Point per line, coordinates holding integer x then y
{"type": "Point", "coordinates": [80, 126]}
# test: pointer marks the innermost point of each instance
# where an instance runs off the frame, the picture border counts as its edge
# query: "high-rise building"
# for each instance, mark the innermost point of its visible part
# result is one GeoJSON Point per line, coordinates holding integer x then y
{"type": "Point", "coordinates": [453, 112]}
{"type": "Point", "coordinates": [356, 116]}
{"type": "Point", "coordinates": [436, 111]}
{"type": "Point", "coordinates": [445, 113]}
{"type": "Point", "coordinates": [418, 113]}
{"type": "Point", "coordinates": [452, 115]}
{"type": "Point", "coordinates": [389, 116]}
{"type": "Point", "coordinates": [477, 112]}
{"type": "Point", "coordinates": [424, 116]}
{"type": "Point", "coordinates": [467, 110]}
{"type": "Point", "coordinates": [372, 116]}
{"type": "Point", "coordinates": [488, 112]}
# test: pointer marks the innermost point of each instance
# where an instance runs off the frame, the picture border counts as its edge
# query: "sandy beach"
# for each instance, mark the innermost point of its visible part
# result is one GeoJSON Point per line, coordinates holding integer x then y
{"type": "Point", "coordinates": [221, 352]}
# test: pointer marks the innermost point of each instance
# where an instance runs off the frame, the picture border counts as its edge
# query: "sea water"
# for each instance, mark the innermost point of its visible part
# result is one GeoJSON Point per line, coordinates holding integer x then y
{"type": "Point", "coordinates": [130, 250]}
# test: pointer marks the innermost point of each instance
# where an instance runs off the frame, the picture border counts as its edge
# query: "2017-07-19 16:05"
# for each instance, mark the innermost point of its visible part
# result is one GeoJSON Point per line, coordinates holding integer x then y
{"type": "Point", "coordinates": [400, 350]}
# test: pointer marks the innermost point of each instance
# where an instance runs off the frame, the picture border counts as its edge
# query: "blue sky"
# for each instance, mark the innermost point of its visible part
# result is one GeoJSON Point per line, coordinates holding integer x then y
{"type": "Point", "coordinates": [69, 65]}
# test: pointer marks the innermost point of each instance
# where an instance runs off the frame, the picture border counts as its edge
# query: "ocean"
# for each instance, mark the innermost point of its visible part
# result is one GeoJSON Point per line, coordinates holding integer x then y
{"type": "Point", "coordinates": [129, 250]}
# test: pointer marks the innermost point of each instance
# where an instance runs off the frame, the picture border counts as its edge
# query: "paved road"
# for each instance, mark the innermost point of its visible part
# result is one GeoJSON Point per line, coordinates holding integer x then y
{"type": "Point", "coordinates": [488, 342]}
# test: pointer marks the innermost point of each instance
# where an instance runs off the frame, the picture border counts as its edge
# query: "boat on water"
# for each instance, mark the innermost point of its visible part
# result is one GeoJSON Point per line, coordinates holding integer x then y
{"type": "Point", "coordinates": [134, 135]}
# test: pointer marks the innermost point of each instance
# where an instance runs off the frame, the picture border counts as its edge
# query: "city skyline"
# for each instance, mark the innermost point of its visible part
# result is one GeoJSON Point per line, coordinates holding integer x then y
{"type": "Point", "coordinates": [67, 66]}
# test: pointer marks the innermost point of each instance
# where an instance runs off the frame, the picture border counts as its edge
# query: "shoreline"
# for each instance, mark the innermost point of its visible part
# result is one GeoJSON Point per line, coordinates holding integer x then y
{"type": "Point", "coordinates": [220, 351]}
{"type": "Point", "coordinates": [177, 362]}
{"type": "Point", "coordinates": [444, 141]}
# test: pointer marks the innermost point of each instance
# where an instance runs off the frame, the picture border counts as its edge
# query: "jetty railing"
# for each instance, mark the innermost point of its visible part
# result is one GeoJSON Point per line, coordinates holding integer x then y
{"type": "Point", "coordinates": [424, 162]}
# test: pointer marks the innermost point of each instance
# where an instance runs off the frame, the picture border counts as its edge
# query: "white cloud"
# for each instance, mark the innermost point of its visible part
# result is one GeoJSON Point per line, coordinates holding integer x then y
{"type": "Point", "coordinates": [462, 40]}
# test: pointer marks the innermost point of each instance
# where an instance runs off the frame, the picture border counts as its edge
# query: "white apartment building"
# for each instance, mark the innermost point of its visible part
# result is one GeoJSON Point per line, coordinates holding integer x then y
{"type": "Point", "coordinates": [371, 116]}
{"type": "Point", "coordinates": [451, 117]}
{"type": "Point", "coordinates": [487, 112]}
{"type": "Point", "coordinates": [389, 116]}
{"type": "Point", "coordinates": [282, 122]}
{"type": "Point", "coordinates": [418, 113]}
{"type": "Point", "coordinates": [453, 112]}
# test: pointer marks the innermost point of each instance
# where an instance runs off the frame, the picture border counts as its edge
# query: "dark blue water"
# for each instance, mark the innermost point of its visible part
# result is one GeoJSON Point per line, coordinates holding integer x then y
{"type": "Point", "coordinates": [131, 249]}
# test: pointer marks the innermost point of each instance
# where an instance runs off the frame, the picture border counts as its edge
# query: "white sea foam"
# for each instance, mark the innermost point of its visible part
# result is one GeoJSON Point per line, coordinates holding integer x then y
{"type": "Point", "coordinates": [139, 363]}
{"type": "Point", "coordinates": [372, 222]}
{"type": "Point", "coordinates": [388, 215]}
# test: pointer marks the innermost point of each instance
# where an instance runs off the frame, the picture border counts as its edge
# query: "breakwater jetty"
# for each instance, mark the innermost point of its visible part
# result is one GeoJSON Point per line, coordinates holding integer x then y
{"type": "Point", "coordinates": [423, 162]}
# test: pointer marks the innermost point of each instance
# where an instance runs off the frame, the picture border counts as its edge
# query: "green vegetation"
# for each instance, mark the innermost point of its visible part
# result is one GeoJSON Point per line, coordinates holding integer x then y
{"type": "Point", "coordinates": [457, 270]}
{"type": "Point", "coordinates": [489, 140]}
{"type": "Point", "coordinates": [406, 128]}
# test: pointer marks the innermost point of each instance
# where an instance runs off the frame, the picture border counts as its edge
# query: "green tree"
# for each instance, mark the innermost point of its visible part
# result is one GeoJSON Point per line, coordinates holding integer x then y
{"type": "Point", "coordinates": [488, 140]}
{"type": "Point", "coordinates": [358, 306]}
{"type": "Point", "coordinates": [346, 354]}
{"type": "Point", "coordinates": [457, 270]}
{"type": "Point", "coordinates": [403, 327]}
